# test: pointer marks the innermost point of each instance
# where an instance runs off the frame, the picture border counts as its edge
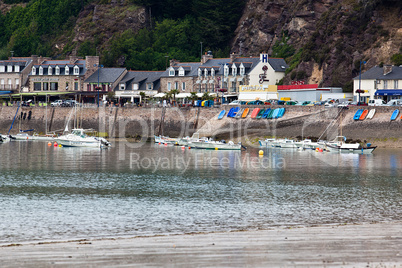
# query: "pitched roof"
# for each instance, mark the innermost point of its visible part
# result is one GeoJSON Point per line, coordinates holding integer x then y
{"type": "Point", "coordinates": [377, 73]}
{"type": "Point", "coordinates": [142, 78]}
{"type": "Point", "coordinates": [106, 75]}
{"type": "Point", "coordinates": [278, 64]}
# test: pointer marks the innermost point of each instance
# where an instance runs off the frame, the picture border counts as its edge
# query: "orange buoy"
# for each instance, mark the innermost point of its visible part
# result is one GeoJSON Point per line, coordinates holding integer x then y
{"type": "Point", "coordinates": [49, 144]}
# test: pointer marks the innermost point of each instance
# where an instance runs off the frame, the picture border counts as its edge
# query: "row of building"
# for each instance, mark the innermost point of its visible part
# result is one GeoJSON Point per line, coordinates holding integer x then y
{"type": "Point", "coordinates": [244, 78]}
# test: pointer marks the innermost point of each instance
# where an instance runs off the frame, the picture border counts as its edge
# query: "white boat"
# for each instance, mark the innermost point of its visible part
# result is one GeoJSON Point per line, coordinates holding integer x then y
{"type": "Point", "coordinates": [164, 139]}
{"type": "Point", "coordinates": [79, 138]}
{"type": "Point", "coordinates": [266, 142]}
{"type": "Point", "coordinates": [4, 138]}
{"type": "Point", "coordinates": [306, 144]}
{"type": "Point", "coordinates": [371, 114]}
{"type": "Point", "coordinates": [339, 145]}
{"type": "Point", "coordinates": [215, 145]}
{"type": "Point", "coordinates": [21, 137]}
{"type": "Point", "coordinates": [287, 144]}
{"type": "Point", "coordinates": [48, 137]}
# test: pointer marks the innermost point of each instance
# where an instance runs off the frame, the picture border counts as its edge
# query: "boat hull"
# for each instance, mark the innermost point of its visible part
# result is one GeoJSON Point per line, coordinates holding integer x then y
{"type": "Point", "coordinates": [215, 146]}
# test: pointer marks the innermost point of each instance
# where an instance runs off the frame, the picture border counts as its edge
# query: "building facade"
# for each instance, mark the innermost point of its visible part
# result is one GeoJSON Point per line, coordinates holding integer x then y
{"type": "Point", "coordinates": [14, 73]}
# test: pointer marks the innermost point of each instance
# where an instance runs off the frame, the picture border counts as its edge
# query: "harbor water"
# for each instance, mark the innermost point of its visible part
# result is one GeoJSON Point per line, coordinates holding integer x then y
{"type": "Point", "coordinates": [50, 193]}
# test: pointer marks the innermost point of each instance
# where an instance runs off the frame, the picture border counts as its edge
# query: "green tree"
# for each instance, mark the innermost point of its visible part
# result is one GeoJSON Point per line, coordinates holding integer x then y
{"type": "Point", "coordinates": [397, 59]}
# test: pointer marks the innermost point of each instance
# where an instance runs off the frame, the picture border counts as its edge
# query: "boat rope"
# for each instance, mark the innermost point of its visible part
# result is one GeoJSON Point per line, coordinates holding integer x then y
{"type": "Point", "coordinates": [331, 123]}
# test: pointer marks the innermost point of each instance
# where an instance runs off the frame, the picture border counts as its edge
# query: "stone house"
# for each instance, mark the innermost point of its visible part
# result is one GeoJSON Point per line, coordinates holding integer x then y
{"type": "Point", "coordinates": [180, 76]}
{"type": "Point", "coordinates": [14, 73]}
{"type": "Point", "coordinates": [135, 82]}
{"type": "Point", "coordinates": [379, 83]}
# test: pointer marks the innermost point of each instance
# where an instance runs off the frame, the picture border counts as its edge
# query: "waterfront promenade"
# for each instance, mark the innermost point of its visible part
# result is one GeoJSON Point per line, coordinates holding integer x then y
{"type": "Point", "coordinates": [354, 245]}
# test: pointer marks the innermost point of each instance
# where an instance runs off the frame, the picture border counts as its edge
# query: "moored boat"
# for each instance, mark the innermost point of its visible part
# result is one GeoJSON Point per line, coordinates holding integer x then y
{"type": "Point", "coordinates": [79, 138]}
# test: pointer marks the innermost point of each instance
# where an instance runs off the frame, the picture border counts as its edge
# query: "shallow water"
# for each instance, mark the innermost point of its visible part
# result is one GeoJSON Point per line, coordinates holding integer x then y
{"type": "Point", "coordinates": [51, 193]}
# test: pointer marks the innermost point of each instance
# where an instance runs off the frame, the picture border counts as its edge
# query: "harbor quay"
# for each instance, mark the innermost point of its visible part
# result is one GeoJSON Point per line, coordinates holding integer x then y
{"type": "Point", "coordinates": [142, 123]}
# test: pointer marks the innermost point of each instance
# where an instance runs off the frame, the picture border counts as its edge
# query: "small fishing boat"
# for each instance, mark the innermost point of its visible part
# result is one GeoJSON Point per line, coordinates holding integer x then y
{"type": "Point", "coordinates": [306, 144]}
{"type": "Point", "coordinates": [22, 136]}
{"type": "Point", "coordinates": [394, 115]}
{"type": "Point", "coordinates": [287, 144]}
{"type": "Point", "coordinates": [357, 114]}
{"type": "Point", "coordinates": [4, 139]}
{"type": "Point", "coordinates": [266, 142]}
{"type": "Point", "coordinates": [255, 113]}
{"type": "Point", "coordinates": [339, 145]}
{"type": "Point", "coordinates": [260, 113]}
{"type": "Point", "coordinates": [165, 140]}
{"type": "Point", "coordinates": [269, 116]}
{"type": "Point", "coordinates": [371, 114]}
{"type": "Point", "coordinates": [221, 114]}
{"type": "Point", "coordinates": [216, 145]}
{"type": "Point", "coordinates": [265, 114]}
{"type": "Point", "coordinates": [79, 138]}
{"type": "Point", "coordinates": [245, 113]}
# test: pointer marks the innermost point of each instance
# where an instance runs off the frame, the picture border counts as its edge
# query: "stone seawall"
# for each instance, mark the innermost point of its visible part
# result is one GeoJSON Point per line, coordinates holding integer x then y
{"type": "Point", "coordinates": [317, 122]}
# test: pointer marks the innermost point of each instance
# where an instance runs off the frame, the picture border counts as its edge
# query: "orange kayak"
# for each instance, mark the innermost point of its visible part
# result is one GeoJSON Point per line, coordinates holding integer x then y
{"type": "Point", "coordinates": [255, 112]}
{"type": "Point", "coordinates": [364, 114]}
{"type": "Point", "coordinates": [245, 113]}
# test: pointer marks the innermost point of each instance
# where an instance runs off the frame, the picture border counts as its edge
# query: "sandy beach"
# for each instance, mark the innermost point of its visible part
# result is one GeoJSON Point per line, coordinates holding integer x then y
{"type": "Point", "coordinates": [355, 245]}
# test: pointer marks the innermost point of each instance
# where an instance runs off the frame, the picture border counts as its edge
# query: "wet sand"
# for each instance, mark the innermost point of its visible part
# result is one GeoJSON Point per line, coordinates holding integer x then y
{"type": "Point", "coordinates": [365, 245]}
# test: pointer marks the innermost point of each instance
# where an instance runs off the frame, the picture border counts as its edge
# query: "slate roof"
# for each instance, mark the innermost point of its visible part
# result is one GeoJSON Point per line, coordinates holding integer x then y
{"type": "Point", "coordinates": [22, 62]}
{"type": "Point", "coordinates": [279, 65]}
{"type": "Point", "coordinates": [377, 73]}
{"type": "Point", "coordinates": [106, 75]}
{"type": "Point", "coordinates": [190, 69]}
{"type": "Point", "coordinates": [62, 68]}
{"type": "Point", "coordinates": [142, 78]}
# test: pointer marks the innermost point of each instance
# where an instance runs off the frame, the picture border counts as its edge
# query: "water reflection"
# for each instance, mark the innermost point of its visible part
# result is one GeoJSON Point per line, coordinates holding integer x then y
{"type": "Point", "coordinates": [48, 192]}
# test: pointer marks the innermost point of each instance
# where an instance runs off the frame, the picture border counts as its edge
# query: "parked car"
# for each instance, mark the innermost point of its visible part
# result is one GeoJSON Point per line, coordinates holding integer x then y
{"type": "Point", "coordinates": [344, 104]}
{"type": "Point", "coordinates": [355, 103]}
{"type": "Point", "coordinates": [291, 102]}
{"type": "Point", "coordinates": [376, 102]}
{"type": "Point", "coordinates": [57, 103]}
{"type": "Point", "coordinates": [27, 103]}
{"type": "Point", "coordinates": [238, 102]}
{"type": "Point", "coordinates": [69, 103]}
{"type": "Point", "coordinates": [395, 102]}
{"type": "Point", "coordinates": [281, 102]}
{"type": "Point", "coordinates": [256, 102]}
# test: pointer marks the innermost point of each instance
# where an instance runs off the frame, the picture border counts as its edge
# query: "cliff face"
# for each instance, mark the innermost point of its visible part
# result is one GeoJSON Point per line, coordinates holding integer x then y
{"type": "Point", "coordinates": [329, 37]}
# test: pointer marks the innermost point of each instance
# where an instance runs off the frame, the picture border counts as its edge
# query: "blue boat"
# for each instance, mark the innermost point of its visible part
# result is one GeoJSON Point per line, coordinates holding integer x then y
{"type": "Point", "coordinates": [230, 112]}
{"type": "Point", "coordinates": [281, 112]}
{"type": "Point", "coordinates": [221, 114]}
{"type": "Point", "coordinates": [275, 114]}
{"type": "Point", "coordinates": [394, 115]}
{"type": "Point", "coordinates": [265, 114]}
{"type": "Point", "coordinates": [234, 112]}
{"type": "Point", "coordinates": [358, 114]}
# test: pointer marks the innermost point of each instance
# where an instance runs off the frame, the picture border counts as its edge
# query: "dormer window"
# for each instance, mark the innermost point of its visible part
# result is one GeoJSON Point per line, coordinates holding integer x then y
{"type": "Point", "coordinates": [2, 68]}
{"type": "Point", "coordinates": [135, 86]}
{"type": "Point", "coordinates": [17, 68]}
{"type": "Point", "coordinates": [50, 70]}
{"type": "Point", "coordinates": [242, 69]}
{"type": "Point", "coordinates": [150, 86]}
{"type": "Point", "coordinates": [234, 70]}
{"type": "Point", "coordinates": [76, 70]}
{"type": "Point", "coordinates": [57, 70]}
{"type": "Point", "coordinates": [171, 71]}
{"type": "Point", "coordinates": [34, 70]}
{"type": "Point", "coordinates": [9, 68]}
{"type": "Point", "coordinates": [181, 71]}
{"type": "Point", "coordinates": [40, 70]}
{"type": "Point", "coordinates": [205, 72]}
{"type": "Point", "coordinates": [199, 72]}
{"type": "Point", "coordinates": [226, 70]}
{"type": "Point", "coordinates": [122, 86]}
{"type": "Point", "coordinates": [66, 70]}
{"type": "Point", "coordinates": [213, 72]}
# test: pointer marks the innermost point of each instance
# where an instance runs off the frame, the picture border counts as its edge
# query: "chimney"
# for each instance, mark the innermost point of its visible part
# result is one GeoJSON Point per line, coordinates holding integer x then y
{"type": "Point", "coordinates": [35, 59]}
{"type": "Point", "coordinates": [387, 69]}
{"type": "Point", "coordinates": [233, 56]}
{"type": "Point", "coordinates": [207, 56]}
{"type": "Point", "coordinates": [173, 62]}
{"type": "Point", "coordinates": [91, 64]}
{"type": "Point", "coordinates": [73, 59]}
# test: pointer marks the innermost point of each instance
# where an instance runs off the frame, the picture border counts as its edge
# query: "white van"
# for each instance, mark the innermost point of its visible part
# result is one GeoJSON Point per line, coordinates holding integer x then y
{"type": "Point", "coordinates": [396, 102]}
{"type": "Point", "coordinates": [376, 102]}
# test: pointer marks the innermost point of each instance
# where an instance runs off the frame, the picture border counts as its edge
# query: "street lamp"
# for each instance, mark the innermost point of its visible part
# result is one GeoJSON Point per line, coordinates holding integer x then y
{"type": "Point", "coordinates": [360, 81]}
{"type": "Point", "coordinates": [98, 88]}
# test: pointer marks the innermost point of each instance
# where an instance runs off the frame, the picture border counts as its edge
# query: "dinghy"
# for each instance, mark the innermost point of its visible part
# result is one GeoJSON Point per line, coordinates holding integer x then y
{"type": "Point", "coordinates": [221, 114]}
{"type": "Point", "coordinates": [394, 115]}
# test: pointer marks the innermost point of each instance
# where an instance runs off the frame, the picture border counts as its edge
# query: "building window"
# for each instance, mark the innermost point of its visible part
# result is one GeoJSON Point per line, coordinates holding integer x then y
{"type": "Point", "coordinates": [169, 86]}
{"type": "Point", "coordinates": [17, 68]}
{"type": "Point", "coordinates": [150, 86]}
{"type": "Point", "coordinates": [17, 82]}
{"type": "Point", "coordinates": [226, 71]}
{"type": "Point", "coordinates": [242, 70]}
{"type": "Point", "coordinates": [45, 86]}
{"type": "Point", "coordinates": [54, 86]}
{"type": "Point", "coordinates": [9, 68]}
{"type": "Point", "coordinates": [33, 70]}
{"type": "Point", "coordinates": [122, 86]}
{"type": "Point", "coordinates": [171, 71]}
{"type": "Point", "coordinates": [396, 84]}
{"type": "Point", "coordinates": [181, 71]}
{"type": "Point", "coordinates": [183, 86]}
{"type": "Point", "coordinates": [66, 70]}
{"type": "Point", "coordinates": [135, 86]}
{"type": "Point", "coordinates": [9, 83]}
{"type": "Point", "coordinates": [76, 70]}
{"type": "Point", "coordinates": [205, 72]}
{"type": "Point", "coordinates": [213, 72]}
{"type": "Point", "coordinates": [37, 86]}
{"type": "Point", "coordinates": [49, 70]}
{"type": "Point", "coordinates": [57, 70]}
{"type": "Point", "coordinates": [40, 70]}
{"type": "Point", "coordinates": [199, 72]}
{"type": "Point", "coordinates": [2, 68]}
{"type": "Point", "coordinates": [66, 85]}
{"type": "Point", "coordinates": [385, 84]}
{"type": "Point", "coordinates": [234, 70]}
{"type": "Point", "coordinates": [176, 85]}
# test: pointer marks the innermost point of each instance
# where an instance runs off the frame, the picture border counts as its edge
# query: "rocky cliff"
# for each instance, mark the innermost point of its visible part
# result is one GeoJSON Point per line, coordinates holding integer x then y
{"type": "Point", "coordinates": [327, 38]}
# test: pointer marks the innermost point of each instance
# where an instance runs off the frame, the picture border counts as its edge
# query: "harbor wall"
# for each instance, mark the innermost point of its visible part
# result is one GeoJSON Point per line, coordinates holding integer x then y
{"type": "Point", "coordinates": [135, 122]}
